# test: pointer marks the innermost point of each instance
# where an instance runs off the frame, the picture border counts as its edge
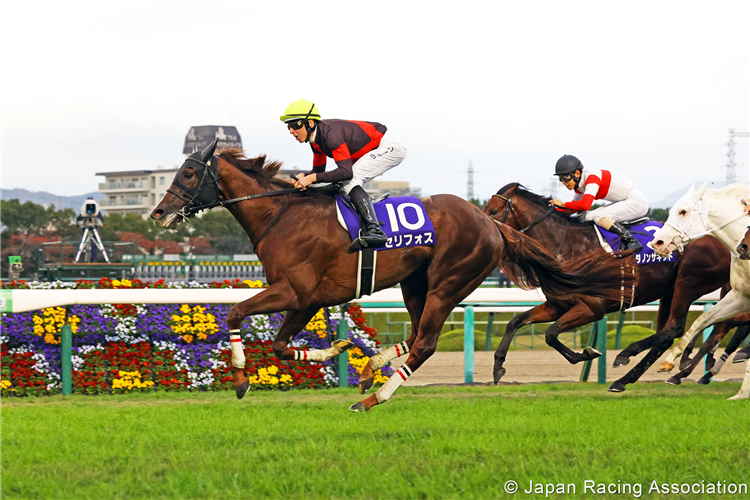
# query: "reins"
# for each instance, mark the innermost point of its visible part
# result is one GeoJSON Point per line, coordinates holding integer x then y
{"type": "Point", "coordinates": [509, 208]}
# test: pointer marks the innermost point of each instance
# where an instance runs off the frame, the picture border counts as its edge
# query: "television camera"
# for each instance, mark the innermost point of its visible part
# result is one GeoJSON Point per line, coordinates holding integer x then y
{"type": "Point", "coordinates": [89, 219]}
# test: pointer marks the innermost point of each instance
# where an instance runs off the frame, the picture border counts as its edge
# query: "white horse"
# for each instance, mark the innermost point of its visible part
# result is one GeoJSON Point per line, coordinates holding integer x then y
{"type": "Point", "coordinates": [720, 213]}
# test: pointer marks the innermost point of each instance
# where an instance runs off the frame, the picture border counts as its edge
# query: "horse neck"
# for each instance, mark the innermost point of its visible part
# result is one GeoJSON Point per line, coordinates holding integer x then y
{"type": "Point", "coordinates": [551, 231]}
{"type": "Point", "coordinates": [253, 215]}
{"type": "Point", "coordinates": [719, 212]}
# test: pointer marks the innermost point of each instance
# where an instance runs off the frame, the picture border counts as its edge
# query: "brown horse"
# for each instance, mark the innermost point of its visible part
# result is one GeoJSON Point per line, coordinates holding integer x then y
{"type": "Point", "coordinates": [305, 253]}
{"type": "Point", "coordinates": [703, 268]}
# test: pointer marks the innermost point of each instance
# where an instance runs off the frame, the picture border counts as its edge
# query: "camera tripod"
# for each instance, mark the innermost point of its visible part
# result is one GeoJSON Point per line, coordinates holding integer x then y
{"type": "Point", "coordinates": [90, 237]}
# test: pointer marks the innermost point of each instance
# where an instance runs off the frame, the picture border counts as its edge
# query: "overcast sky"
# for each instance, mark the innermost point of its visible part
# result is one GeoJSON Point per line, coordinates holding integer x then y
{"type": "Point", "coordinates": [648, 89]}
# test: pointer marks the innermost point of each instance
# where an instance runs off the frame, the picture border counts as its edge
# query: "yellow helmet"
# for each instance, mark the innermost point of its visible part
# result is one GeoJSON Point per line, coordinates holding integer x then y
{"type": "Point", "coordinates": [301, 109]}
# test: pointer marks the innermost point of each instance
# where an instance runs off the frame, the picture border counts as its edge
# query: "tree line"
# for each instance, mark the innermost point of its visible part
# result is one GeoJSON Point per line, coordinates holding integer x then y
{"type": "Point", "coordinates": [26, 226]}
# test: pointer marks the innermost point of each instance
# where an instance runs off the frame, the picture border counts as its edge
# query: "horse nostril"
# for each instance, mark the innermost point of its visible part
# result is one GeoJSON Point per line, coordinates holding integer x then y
{"type": "Point", "coordinates": [157, 214]}
{"type": "Point", "coordinates": [658, 243]}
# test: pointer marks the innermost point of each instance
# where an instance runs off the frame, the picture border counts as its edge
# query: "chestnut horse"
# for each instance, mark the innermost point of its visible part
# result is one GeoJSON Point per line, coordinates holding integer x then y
{"type": "Point", "coordinates": [701, 269]}
{"type": "Point", "coordinates": [305, 253]}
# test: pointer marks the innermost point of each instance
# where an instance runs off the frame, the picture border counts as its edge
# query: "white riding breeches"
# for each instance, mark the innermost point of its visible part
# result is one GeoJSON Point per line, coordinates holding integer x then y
{"type": "Point", "coordinates": [390, 153]}
{"type": "Point", "coordinates": [633, 207]}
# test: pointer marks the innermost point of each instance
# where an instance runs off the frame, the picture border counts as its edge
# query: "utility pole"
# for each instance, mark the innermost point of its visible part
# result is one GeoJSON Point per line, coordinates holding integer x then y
{"type": "Point", "coordinates": [731, 166]}
{"type": "Point", "coordinates": [470, 183]}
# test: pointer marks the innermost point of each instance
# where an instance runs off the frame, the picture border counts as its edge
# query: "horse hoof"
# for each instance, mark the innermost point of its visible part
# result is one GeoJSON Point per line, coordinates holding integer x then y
{"type": "Point", "coordinates": [674, 380]}
{"type": "Point", "coordinates": [499, 373]}
{"type": "Point", "coordinates": [359, 407]}
{"type": "Point", "coordinates": [685, 363]}
{"type": "Point", "coordinates": [591, 353]}
{"type": "Point", "coordinates": [365, 385]}
{"type": "Point", "coordinates": [242, 389]}
{"type": "Point", "coordinates": [620, 361]}
{"type": "Point", "coordinates": [737, 397]}
{"type": "Point", "coordinates": [705, 379]}
{"type": "Point", "coordinates": [616, 387]}
{"type": "Point", "coordinates": [342, 345]}
{"type": "Point", "coordinates": [666, 367]}
{"type": "Point", "coordinates": [740, 357]}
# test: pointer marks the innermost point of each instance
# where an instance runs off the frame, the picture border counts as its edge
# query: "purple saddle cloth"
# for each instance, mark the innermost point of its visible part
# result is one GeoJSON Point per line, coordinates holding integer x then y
{"type": "Point", "coordinates": [644, 233]}
{"type": "Point", "coordinates": [406, 221]}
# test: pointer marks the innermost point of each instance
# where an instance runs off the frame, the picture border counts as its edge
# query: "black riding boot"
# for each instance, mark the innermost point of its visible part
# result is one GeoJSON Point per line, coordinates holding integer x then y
{"type": "Point", "coordinates": [371, 234]}
{"type": "Point", "coordinates": [627, 240]}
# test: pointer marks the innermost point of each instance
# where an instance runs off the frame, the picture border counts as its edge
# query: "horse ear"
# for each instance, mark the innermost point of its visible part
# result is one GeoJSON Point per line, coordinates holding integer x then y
{"type": "Point", "coordinates": [207, 153]}
{"type": "Point", "coordinates": [700, 191]}
{"type": "Point", "coordinates": [692, 188]}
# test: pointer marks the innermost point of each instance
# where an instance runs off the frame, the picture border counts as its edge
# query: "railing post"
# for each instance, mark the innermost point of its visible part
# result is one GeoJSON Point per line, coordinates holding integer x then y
{"type": "Point", "coordinates": [66, 353]}
{"type": "Point", "coordinates": [602, 347]}
{"type": "Point", "coordinates": [490, 320]}
{"type": "Point", "coordinates": [342, 333]}
{"type": "Point", "coordinates": [706, 334]}
{"type": "Point", "coordinates": [468, 344]}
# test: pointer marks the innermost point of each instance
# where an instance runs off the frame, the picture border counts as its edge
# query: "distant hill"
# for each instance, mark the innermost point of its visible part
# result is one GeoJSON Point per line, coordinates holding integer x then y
{"type": "Point", "coordinates": [46, 199]}
{"type": "Point", "coordinates": [672, 198]}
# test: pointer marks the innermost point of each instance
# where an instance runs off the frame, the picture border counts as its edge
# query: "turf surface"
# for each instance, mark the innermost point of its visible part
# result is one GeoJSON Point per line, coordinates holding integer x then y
{"type": "Point", "coordinates": [436, 442]}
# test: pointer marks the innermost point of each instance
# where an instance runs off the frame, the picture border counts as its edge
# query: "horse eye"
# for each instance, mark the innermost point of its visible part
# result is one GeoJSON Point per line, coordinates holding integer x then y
{"type": "Point", "coordinates": [188, 175]}
{"type": "Point", "coordinates": [493, 212]}
{"type": "Point", "coordinates": [683, 212]}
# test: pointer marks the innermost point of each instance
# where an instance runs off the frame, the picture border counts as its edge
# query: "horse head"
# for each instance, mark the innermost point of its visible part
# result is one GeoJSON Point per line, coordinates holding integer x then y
{"type": "Point", "coordinates": [687, 219]}
{"type": "Point", "coordinates": [195, 187]}
{"type": "Point", "coordinates": [500, 206]}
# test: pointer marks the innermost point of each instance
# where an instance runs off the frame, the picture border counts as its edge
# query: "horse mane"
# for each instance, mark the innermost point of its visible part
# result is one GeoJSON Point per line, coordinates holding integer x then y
{"type": "Point", "coordinates": [542, 202]}
{"type": "Point", "coordinates": [260, 168]}
{"type": "Point", "coordinates": [736, 190]}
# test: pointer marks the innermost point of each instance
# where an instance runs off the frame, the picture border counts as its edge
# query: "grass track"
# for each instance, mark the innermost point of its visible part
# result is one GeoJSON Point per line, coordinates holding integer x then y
{"type": "Point", "coordinates": [437, 442]}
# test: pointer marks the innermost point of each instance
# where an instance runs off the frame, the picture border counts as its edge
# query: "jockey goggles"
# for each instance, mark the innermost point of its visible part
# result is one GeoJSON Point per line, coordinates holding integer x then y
{"type": "Point", "coordinates": [565, 177]}
{"type": "Point", "coordinates": [295, 125]}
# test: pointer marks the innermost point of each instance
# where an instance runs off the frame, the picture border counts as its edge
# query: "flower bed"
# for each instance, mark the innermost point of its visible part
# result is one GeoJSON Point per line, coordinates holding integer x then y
{"type": "Point", "coordinates": [124, 348]}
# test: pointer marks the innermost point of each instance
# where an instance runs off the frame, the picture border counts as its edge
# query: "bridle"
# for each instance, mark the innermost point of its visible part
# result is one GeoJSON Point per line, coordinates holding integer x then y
{"type": "Point", "coordinates": [207, 194]}
{"type": "Point", "coordinates": [510, 209]}
{"type": "Point", "coordinates": [700, 209]}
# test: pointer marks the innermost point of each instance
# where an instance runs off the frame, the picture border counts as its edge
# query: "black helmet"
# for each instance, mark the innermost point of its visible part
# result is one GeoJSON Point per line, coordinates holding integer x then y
{"type": "Point", "coordinates": [567, 165]}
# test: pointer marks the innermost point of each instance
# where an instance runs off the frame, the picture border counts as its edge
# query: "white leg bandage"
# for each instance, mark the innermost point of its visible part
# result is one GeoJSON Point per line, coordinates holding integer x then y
{"type": "Point", "coordinates": [380, 359]}
{"type": "Point", "coordinates": [386, 390]}
{"type": "Point", "coordinates": [319, 355]}
{"type": "Point", "coordinates": [238, 350]}
{"type": "Point", "coordinates": [719, 363]}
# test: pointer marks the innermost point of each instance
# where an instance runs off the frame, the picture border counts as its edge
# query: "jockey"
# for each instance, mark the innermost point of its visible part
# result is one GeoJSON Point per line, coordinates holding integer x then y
{"type": "Point", "coordinates": [361, 150]}
{"type": "Point", "coordinates": [628, 203]}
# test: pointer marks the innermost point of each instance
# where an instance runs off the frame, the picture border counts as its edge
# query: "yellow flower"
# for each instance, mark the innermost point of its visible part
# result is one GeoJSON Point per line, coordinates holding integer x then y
{"type": "Point", "coordinates": [116, 283]}
{"type": "Point", "coordinates": [185, 308]}
{"type": "Point", "coordinates": [273, 370]}
{"type": "Point", "coordinates": [38, 329]}
{"type": "Point", "coordinates": [4, 384]}
{"type": "Point", "coordinates": [187, 338]}
{"type": "Point", "coordinates": [126, 283]}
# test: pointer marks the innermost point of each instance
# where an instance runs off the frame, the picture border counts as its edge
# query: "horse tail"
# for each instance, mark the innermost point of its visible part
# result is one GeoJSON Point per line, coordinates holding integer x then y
{"type": "Point", "coordinates": [528, 264]}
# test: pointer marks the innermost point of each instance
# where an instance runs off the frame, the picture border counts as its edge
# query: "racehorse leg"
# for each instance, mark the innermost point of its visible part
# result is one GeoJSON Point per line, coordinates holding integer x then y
{"type": "Point", "coordinates": [412, 289]}
{"type": "Point", "coordinates": [731, 305]}
{"type": "Point", "coordinates": [744, 392]}
{"type": "Point", "coordinates": [542, 313]}
{"type": "Point", "coordinates": [739, 335]}
{"type": "Point", "coordinates": [706, 349]}
{"type": "Point", "coordinates": [579, 314]}
{"type": "Point", "coordinates": [450, 285]}
{"type": "Point", "coordinates": [743, 355]}
{"type": "Point", "coordinates": [672, 330]}
{"type": "Point", "coordinates": [685, 359]}
{"type": "Point", "coordinates": [639, 369]}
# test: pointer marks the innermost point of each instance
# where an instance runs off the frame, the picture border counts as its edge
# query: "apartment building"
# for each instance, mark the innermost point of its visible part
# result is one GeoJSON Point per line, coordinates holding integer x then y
{"type": "Point", "coordinates": [134, 191]}
{"type": "Point", "coordinates": [138, 191]}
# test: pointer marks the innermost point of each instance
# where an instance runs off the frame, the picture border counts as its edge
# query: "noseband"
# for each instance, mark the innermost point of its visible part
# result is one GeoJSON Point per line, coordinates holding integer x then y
{"type": "Point", "coordinates": [207, 194]}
